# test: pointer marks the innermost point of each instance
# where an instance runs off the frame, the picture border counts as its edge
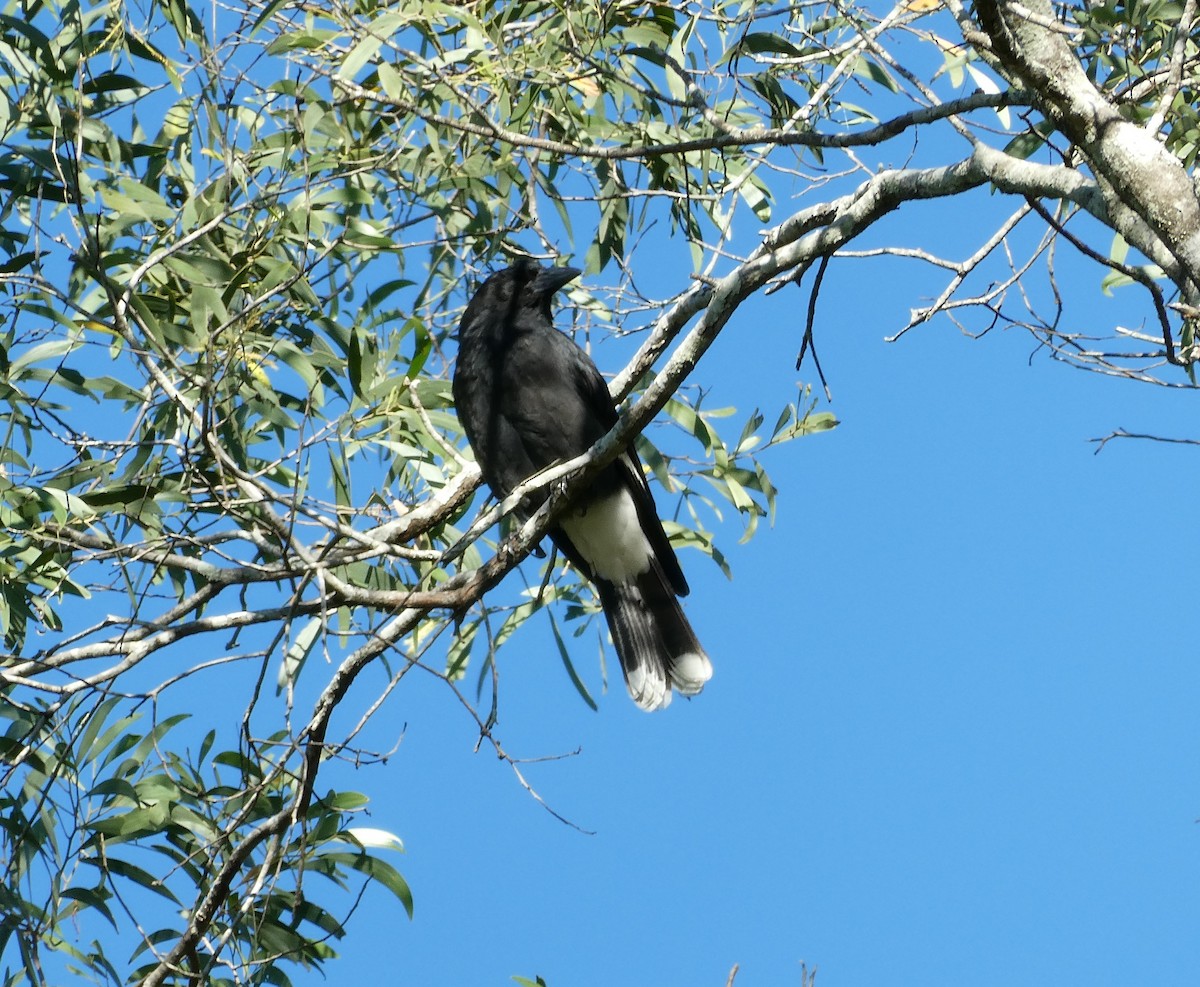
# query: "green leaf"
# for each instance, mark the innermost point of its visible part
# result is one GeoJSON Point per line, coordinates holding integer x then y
{"type": "Point", "coordinates": [763, 43]}
{"type": "Point", "coordinates": [757, 198]}
{"type": "Point", "coordinates": [119, 788]}
{"type": "Point", "coordinates": [297, 653]}
{"type": "Point", "coordinates": [377, 870]}
{"type": "Point", "coordinates": [369, 838]}
{"type": "Point", "coordinates": [346, 801]}
{"type": "Point", "coordinates": [41, 353]}
{"type": "Point", "coordinates": [676, 84]}
{"type": "Point", "coordinates": [569, 665]}
{"type": "Point", "coordinates": [459, 652]}
{"type": "Point", "coordinates": [135, 201]}
{"type": "Point", "coordinates": [131, 872]}
{"type": "Point", "coordinates": [988, 85]}
{"type": "Point", "coordinates": [90, 742]}
{"type": "Point", "coordinates": [870, 69]}
{"type": "Point", "coordinates": [114, 82]}
{"type": "Point", "coordinates": [354, 365]}
{"type": "Point", "coordinates": [392, 82]}
{"type": "Point", "coordinates": [1119, 249]}
{"type": "Point", "coordinates": [379, 30]}
{"type": "Point", "coordinates": [305, 40]}
{"type": "Point", "coordinates": [18, 262]}
{"type": "Point", "coordinates": [148, 743]}
{"type": "Point", "coordinates": [94, 899]}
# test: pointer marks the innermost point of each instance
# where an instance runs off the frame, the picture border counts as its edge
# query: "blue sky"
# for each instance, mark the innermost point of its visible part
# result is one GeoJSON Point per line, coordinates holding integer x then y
{"type": "Point", "coordinates": [951, 737]}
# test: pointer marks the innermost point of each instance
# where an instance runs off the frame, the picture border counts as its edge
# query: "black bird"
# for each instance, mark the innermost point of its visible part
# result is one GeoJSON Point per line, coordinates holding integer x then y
{"type": "Point", "coordinates": [528, 398]}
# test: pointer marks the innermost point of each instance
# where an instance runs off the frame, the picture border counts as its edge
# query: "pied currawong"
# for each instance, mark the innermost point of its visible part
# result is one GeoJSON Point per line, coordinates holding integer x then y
{"type": "Point", "coordinates": [529, 398]}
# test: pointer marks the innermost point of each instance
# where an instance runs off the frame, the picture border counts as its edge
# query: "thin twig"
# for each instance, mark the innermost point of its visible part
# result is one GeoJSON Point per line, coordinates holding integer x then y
{"type": "Point", "coordinates": [809, 342]}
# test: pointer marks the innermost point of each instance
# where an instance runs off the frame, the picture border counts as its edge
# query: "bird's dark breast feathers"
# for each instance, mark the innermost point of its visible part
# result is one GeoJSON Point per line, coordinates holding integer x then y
{"type": "Point", "coordinates": [538, 393]}
{"type": "Point", "coordinates": [530, 398]}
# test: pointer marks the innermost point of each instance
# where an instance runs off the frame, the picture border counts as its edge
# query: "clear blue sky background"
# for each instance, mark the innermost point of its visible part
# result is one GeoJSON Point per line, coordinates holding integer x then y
{"type": "Point", "coordinates": [952, 736]}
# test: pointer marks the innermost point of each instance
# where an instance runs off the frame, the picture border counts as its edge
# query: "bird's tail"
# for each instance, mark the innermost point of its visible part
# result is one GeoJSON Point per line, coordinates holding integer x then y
{"type": "Point", "coordinates": [656, 645]}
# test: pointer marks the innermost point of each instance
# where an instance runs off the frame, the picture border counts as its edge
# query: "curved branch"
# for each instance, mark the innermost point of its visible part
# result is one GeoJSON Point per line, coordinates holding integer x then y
{"type": "Point", "coordinates": [729, 136]}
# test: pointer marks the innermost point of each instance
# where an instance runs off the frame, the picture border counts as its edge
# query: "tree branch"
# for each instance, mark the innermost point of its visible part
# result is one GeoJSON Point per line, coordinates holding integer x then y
{"type": "Point", "coordinates": [1137, 174]}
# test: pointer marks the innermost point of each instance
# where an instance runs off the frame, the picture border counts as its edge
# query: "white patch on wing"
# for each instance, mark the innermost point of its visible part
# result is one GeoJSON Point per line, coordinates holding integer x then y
{"type": "Point", "coordinates": [609, 535]}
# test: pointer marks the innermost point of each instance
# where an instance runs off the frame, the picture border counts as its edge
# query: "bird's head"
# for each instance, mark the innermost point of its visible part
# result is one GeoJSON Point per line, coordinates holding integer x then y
{"type": "Point", "coordinates": [540, 283]}
{"type": "Point", "coordinates": [525, 288]}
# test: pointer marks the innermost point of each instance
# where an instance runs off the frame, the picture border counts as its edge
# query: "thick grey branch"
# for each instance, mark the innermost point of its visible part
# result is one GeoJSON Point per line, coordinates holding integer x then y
{"type": "Point", "coordinates": [1137, 174]}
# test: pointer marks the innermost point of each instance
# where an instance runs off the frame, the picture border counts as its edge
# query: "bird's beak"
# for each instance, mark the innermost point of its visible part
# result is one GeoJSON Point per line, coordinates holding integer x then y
{"type": "Point", "coordinates": [550, 279]}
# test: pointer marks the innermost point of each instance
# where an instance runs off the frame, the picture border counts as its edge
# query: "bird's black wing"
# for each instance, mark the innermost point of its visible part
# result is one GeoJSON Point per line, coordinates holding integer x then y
{"type": "Point", "coordinates": [568, 411]}
{"type": "Point", "coordinates": [627, 468]}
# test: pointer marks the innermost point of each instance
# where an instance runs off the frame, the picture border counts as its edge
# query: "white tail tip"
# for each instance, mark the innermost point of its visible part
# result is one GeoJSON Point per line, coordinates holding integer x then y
{"type": "Point", "coordinates": [690, 672]}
